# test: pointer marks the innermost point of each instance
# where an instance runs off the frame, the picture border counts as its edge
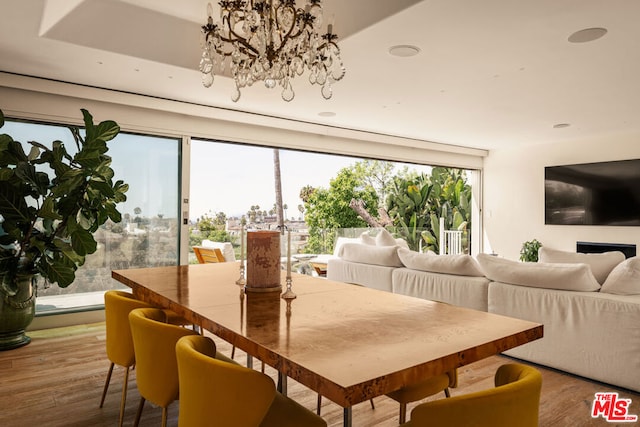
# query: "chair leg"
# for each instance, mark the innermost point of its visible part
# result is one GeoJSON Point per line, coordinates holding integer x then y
{"type": "Point", "coordinates": [139, 412]}
{"type": "Point", "coordinates": [372, 405]}
{"type": "Point", "coordinates": [446, 392]}
{"type": "Point", "coordinates": [106, 384]}
{"type": "Point", "coordinates": [123, 399]}
{"type": "Point", "coordinates": [233, 352]}
{"type": "Point", "coordinates": [403, 413]}
{"type": "Point", "coordinates": [164, 417]}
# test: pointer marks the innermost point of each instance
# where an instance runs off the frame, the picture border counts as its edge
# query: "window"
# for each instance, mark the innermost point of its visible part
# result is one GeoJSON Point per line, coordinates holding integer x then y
{"type": "Point", "coordinates": [148, 235]}
{"type": "Point", "coordinates": [230, 181]}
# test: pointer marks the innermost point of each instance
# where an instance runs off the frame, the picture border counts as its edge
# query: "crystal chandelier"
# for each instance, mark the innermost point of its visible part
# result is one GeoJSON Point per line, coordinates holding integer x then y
{"type": "Point", "coordinates": [271, 41]}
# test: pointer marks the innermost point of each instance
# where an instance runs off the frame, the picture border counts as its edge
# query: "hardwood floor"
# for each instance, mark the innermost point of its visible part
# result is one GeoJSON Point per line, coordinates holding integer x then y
{"type": "Point", "coordinates": [57, 380]}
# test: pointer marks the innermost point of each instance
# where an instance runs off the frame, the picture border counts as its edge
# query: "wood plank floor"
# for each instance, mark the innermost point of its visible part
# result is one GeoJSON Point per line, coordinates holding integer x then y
{"type": "Point", "coordinates": [57, 380]}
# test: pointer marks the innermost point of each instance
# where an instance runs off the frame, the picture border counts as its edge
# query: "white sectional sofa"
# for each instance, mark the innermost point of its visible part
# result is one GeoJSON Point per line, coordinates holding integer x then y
{"type": "Point", "coordinates": [591, 326]}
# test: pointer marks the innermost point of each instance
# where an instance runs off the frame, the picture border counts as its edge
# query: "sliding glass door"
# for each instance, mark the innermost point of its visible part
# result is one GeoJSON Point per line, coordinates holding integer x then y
{"type": "Point", "coordinates": [149, 233]}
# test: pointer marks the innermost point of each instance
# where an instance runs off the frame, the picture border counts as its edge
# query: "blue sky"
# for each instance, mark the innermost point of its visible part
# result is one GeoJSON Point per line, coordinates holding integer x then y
{"type": "Point", "coordinates": [230, 178]}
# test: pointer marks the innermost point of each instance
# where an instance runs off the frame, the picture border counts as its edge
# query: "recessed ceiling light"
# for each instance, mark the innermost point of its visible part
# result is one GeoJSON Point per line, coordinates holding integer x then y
{"type": "Point", "coordinates": [561, 125]}
{"type": "Point", "coordinates": [587, 35]}
{"type": "Point", "coordinates": [404, 50]}
{"type": "Point", "coordinates": [327, 114]}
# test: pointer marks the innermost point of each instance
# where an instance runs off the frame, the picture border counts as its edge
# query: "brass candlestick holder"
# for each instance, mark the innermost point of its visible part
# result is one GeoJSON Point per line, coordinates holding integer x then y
{"type": "Point", "coordinates": [241, 280]}
{"type": "Point", "coordinates": [289, 294]}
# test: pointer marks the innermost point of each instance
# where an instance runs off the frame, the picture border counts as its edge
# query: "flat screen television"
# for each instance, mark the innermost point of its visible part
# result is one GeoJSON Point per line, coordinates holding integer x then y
{"type": "Point", "coordinates": [604, 193]}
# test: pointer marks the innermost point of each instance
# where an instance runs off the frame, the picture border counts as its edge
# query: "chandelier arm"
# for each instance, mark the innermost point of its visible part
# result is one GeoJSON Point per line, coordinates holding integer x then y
{"type": "Point", "coordinates": [238, 38]}
{"type": "Point", "coordinates": [287, 36]}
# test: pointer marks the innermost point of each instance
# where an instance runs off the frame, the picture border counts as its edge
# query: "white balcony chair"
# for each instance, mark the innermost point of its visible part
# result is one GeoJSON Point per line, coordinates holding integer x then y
{"type": "Point", "coordinates": [450, 240]}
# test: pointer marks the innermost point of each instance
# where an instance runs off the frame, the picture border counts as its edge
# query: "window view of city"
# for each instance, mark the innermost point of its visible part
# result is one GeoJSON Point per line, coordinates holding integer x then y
{"type": "Point", "coordinates": [148, 234]}
{"type": "Point", "coordinates": [323, 196]}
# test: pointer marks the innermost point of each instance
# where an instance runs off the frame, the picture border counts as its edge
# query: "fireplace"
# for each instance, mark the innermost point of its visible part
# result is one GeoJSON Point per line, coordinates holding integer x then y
{"type": "Point", "coordinates": [595, 248]}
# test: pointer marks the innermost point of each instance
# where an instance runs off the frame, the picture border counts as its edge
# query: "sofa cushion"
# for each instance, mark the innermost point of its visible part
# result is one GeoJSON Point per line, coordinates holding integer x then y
{"type": "Point", "coordinates": [463, 291]}
{"type": "Point", "coordinates": [343, 240]}
{"type": "Point", "coordinates": [367, 254]}
{"type": "Point", "coordinates": [460, 265]}
{"type": "Point", "coordinates": [624, 279]}
{"type": "Point", "coordinates": [600, 264]}
{"type": "Point", "coordinates": [570, 277]}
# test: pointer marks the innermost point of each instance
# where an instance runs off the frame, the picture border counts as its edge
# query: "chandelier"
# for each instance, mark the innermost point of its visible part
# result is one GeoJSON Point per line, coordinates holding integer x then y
{"type": "Point", "coordinates": [271, 41]}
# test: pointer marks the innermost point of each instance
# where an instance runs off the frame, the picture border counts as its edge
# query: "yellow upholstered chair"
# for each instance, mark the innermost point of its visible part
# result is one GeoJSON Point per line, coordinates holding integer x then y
{"type": "Point", "coordinates": [154, 342]}
{"type": "Point", "coordinates": [208, 255]}
{"type": "Point", "coordinates": [214, 392]}
{"type": "Point", "coordinates": [117, 305]}
{"type": "Point", "coordinates": [424, 389]}
{"type": "Point", "coordinates": [514, 401]}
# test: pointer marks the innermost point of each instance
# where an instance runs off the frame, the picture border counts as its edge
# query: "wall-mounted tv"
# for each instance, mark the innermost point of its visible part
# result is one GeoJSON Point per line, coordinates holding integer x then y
{"type": "Point", "coordinates": [604, 193]}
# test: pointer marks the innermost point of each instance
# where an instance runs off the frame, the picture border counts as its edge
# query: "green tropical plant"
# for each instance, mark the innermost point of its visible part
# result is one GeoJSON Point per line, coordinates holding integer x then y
{"type": "Point", "coordinates": [51, 202]}
{"type": "Point", "coordinates": [327, 209]}
{"type": "Point", "coordinates": [416, 203]}
{"type": "Point", "coordinates": [408, 204]}
{"type": "Point", "coordinates": [529, 251]}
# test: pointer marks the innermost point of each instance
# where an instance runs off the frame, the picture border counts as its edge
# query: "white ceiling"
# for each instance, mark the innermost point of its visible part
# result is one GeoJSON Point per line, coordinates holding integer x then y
{"type": "Point", "coordinates": [490, 74]}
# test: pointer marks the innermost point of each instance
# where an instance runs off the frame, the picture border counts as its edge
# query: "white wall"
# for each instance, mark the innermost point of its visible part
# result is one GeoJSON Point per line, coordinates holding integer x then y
{"type": "Point", "coordinates": [514, 195]}
{"type": "Point", "coordinates": [38, 99]}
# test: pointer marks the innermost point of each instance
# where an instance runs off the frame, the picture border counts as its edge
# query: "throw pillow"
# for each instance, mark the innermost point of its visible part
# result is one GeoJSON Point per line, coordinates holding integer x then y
{"type": "Point", "coordinates": [460, 265]}
{"type": "Point", "coordinates": [624, 279]}
{"type": "Point", "coordinates": [366, 254]}
{"type": "Point", "coordinates": [568, 277]}
{"type": "Point", "coordinates": [367, 239]}
{"type": "Point", "coordinates": [384, 238]}
{"type": "Point", "coordinates": [600, 264]}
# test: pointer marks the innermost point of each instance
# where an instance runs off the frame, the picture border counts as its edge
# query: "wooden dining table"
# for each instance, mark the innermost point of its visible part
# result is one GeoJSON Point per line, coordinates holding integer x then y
{"type": "Point", "coordinates": [349, 343]}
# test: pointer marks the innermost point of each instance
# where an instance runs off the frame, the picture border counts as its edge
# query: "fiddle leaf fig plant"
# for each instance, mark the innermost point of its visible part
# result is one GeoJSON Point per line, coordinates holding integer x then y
{"type": "Point", "coordinates": [52, 200]}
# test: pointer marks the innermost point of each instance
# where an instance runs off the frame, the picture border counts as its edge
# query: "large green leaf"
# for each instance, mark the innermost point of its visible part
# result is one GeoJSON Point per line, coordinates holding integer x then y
{"type": "Point", "coordinates": [12, 206]}
{"type": "Point", "coordinates": [47, 210]}
{"type": "Point", "coordinates": [26, 172]}
{"type": "Point", "coordinates": [104, 131]}
{"type": "Point", "coordinates": [83, 242]}
{"type": "Point", "coordinates": [57, 270]}
{"type": "Point", "coordinates": [89, 158]}
{"type": "Point", "coordinates": [102, 187]}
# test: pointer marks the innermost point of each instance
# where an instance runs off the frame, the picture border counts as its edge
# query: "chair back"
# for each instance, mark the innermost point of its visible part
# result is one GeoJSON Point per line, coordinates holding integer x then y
{"type": "Point", "coordinates": [208, 255]}
{"type": "Point", "coordinates": [515, 401]}
{"type": "Point", "coordinates": [117, 305]}
{"type": "Point", "coordinates": [215, 392]}
{"type": "Point", "coordinates": [154, 342]}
